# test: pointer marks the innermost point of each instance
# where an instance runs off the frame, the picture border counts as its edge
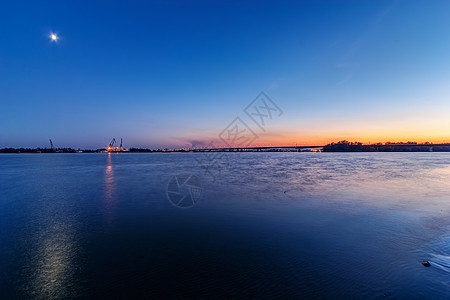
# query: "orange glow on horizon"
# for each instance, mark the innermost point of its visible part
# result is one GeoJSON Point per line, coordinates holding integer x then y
{"type": "Point", "coordinates": [320, 141]}
{"type": "Point", "coordinates": [308, 140]}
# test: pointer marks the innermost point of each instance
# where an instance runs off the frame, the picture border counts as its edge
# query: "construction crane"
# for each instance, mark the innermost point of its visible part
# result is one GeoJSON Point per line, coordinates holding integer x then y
{"type": "Point", "coordinates": [51, 146]}
{"type": "Point", "coordinates": [111, 145]}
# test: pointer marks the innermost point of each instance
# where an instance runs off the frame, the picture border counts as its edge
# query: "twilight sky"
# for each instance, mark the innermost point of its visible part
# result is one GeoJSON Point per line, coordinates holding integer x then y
{"type": "Point", "coordinates": [172, 73]}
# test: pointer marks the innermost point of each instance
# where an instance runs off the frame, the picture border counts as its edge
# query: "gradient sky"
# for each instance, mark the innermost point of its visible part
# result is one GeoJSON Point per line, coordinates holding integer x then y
{"type": "Point", "coordinates": [172, 73]}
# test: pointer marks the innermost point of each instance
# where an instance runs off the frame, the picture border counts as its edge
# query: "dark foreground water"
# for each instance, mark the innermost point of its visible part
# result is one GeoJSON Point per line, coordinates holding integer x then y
{"type": "Point", "coordinates": [271, 225]}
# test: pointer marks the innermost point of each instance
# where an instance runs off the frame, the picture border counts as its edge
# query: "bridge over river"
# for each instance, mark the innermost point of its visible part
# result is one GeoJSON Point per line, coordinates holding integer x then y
{"type": "Point", "coordinates": [337, 148]}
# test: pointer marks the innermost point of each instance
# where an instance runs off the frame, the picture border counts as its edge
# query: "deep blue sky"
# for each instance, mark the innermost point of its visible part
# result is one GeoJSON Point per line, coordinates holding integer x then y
{"type": "Point", "coordinates": [170, 73]}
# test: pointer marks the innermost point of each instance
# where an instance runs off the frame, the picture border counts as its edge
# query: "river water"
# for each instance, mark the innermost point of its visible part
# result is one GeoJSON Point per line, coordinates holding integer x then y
{"type": "Point", "coordinates": [260, 225]}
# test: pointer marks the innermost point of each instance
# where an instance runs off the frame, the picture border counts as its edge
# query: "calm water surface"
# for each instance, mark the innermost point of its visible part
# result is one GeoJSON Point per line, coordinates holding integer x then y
{"type": "Point", "coordinates": [292, 225]}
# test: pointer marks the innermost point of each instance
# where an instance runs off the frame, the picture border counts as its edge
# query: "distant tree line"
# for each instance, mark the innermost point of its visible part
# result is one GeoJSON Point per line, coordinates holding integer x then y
{"type": "Point", "coordinates": [144, 150]}
{"type": "Point", "coordinates": [346, 146]}
{"type": "Point", "coordinates": [37, 150]}
{"type": "Point", "coordinates": [47, 150]}
{"type": "Point", "coordinates": [341, 146]}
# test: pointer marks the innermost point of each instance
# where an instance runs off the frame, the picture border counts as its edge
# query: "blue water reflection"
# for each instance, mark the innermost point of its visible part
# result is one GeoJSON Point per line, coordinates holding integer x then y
{"type": "Point", "coordinates": [272, 224]}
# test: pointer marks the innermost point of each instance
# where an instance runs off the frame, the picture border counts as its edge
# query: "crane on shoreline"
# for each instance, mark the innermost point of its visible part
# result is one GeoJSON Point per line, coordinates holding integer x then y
{"type": "Point", "coordinates": [53, 148]}
{"type": "Point", "coordinates": [111, 147]}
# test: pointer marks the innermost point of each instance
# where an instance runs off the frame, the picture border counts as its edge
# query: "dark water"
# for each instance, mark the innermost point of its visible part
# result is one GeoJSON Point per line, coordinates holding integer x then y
{"type": "Point", "coordinates": [290, 225]}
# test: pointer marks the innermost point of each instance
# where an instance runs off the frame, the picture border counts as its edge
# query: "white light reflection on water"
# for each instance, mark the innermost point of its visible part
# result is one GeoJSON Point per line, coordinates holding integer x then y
{"type": "Point", "coordinates": [54, 262]}
{"type": "Point", "coordinates": [109, 190]}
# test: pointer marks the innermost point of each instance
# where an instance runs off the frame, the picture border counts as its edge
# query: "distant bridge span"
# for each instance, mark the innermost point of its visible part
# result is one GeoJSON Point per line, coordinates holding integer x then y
{"type": "Point", "coordinates": [257, 148]}
{"type": "Point", "coordinates": [431, 146]}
